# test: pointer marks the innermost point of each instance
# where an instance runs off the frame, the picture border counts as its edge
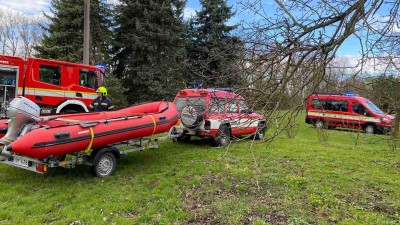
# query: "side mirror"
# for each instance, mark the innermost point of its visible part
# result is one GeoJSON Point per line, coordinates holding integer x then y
{"type": "Point", "coordinates": [250, 111]}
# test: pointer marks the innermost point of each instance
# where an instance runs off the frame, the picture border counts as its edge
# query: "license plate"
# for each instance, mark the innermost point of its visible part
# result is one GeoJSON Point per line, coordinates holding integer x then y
{"type": "Point", "coordinates": [21, 162]}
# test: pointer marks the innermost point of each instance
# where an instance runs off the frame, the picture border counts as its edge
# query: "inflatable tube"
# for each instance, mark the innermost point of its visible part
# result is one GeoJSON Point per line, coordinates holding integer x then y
{"type": "Point", "coordinates": [64, 134]}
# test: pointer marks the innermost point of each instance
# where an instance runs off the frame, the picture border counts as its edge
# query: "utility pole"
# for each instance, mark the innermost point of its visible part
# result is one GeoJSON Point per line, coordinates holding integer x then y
{"type": "Point", "coordinates": [86, 31]}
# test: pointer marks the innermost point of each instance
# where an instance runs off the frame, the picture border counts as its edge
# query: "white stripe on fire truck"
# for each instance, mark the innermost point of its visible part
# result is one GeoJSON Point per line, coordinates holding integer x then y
{"type": "Point", "coordinates": [347, 117]}
{"type": "Point", "coordinates": [56, 93]}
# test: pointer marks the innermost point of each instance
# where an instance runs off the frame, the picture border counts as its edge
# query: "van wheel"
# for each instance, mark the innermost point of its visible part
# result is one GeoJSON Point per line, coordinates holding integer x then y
{"type": "Point", "coordinates": [104, 165]}
{"type": "Point", "coordinates": [319, 124]}
{"type": "Point", "coordinates": [260, 133]}
{"type": "Point", "coordinates": [370, 129]}
{"type": "Point", "coordinates": [223, 136]}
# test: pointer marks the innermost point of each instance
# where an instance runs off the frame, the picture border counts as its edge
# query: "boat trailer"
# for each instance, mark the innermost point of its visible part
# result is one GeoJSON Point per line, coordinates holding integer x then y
{"type": "Point", "coordinates": [102, 161]}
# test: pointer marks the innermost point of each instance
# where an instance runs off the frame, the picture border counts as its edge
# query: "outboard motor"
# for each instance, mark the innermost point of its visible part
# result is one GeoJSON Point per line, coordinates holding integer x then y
{"type": "Point", "coordinates": [20, 112]}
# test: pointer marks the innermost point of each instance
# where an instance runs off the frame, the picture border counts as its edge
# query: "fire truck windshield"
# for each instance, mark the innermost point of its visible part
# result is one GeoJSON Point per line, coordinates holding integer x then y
{"type": "Point", "coordinates": [374, 107]}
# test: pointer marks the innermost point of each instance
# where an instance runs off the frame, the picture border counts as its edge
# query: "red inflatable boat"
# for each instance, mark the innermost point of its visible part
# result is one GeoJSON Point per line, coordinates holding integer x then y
{"type": "Point", "coordinates": [36, 143]}
{"type": "Point", "coordinates": [61, 135]}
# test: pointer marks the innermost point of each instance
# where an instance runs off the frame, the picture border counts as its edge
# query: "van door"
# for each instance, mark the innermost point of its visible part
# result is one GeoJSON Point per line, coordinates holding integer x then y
{"type": "Point", "coordinates": [360, 115]}
{"type": "Point", "coordinates": [233, 116]}
{"type": "Point", "coordinates": [343, 113]}
{"type": "Point", "coordinates": [336, 114]}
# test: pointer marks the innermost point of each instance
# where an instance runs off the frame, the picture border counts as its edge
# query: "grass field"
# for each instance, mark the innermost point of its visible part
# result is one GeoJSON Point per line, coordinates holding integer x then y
{"type": "Point", "coordinates": [343, 180]}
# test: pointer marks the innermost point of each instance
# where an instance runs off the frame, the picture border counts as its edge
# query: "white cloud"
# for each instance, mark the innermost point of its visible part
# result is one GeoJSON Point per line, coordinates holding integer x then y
{"type": "Point", "coordinates": [27, 7]}
{"type": "Point", "coordinates": [188, 13]}
{"type": "Point", "coordinates": [356, 64]}
{"type": "Point", "coordinates": [5, 9]}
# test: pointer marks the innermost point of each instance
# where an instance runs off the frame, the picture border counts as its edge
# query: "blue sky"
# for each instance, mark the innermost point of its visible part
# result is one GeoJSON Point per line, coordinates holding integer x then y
{"type": "Point", "coordinates": [350, 46]}
{"type": "Point", "coordinates": [36, 7]}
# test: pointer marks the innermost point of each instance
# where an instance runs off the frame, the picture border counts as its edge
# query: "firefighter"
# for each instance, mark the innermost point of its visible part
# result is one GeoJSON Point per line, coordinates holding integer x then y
{"type": "Point", "coordinates": [102, 102]}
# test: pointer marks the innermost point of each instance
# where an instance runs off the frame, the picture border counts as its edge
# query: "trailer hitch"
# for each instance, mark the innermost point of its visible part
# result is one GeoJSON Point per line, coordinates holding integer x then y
{"type": "Point", "coordinates": [5, 150]}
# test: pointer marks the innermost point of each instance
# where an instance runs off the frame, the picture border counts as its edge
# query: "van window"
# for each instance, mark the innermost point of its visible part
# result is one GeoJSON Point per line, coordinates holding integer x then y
{"type": "Point", "coordinates": [198, 103]}
{"type": "Point", "coordinates": [50, 74]}
{"type": "Point", "coordinates": [88, 79]}
{"type": "Point", "coordinates": [243, 107]}
{"type": "Point", "coordinates": [374, 107]}
{"type": "Point", "coordinates": [232, 106]}
{"type": "Point", "coordinates": [217, 105]}
{"type": "Point", "coordinates": [333, 105]}
{"type": "Point", "coordinates": [317, 104]}
{"type": "Point", "coordinates": [360, 109]}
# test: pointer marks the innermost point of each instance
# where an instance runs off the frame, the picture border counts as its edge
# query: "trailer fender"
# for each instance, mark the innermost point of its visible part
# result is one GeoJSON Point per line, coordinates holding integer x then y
{"type": "Point", "coordinates": [97, 152]}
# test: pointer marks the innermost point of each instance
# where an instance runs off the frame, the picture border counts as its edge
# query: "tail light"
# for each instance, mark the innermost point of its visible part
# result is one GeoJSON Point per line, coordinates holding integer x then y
{"type": "Point", "coordinates": [207, 124]}
{"type": "Point", "coordinates": [41, 168]}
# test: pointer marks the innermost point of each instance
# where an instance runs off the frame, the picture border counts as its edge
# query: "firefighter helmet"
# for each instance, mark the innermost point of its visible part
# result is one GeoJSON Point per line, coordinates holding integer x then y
{"type": "Point", "coordinates": [102, 90]}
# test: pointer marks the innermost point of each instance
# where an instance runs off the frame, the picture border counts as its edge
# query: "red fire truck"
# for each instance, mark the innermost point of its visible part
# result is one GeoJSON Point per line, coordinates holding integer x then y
{"type": "Point", "coordinates": [56, 86]}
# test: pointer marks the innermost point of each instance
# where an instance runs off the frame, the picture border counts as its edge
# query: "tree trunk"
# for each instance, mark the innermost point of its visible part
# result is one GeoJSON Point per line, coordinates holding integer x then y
{"type": "Point", "coordinates": [395, 128]}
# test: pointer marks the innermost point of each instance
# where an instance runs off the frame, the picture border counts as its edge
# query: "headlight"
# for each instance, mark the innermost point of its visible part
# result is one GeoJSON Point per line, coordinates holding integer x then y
{"type": "Point", "coordinates": [384, 119]}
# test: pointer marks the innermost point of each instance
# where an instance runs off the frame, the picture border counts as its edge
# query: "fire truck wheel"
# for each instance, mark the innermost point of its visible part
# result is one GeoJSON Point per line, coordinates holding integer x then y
{"type": "Point", "coordinates": [223, 136]}
{"type": "Point", "coordinates": [104, 165]}
{"type": "Point", "coordinates": [319, 124]}
{"type": "Point", "coordinates": [370, 129]}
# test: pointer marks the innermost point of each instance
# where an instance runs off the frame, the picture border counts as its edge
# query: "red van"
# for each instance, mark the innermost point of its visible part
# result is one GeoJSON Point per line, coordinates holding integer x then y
{"type": "Point", "coordinates": [346, 111]}
{"type": "Point", "coordinates": [216, 113]}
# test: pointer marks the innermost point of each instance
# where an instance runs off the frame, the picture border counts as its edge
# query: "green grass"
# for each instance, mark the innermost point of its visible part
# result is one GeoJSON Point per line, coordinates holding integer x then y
{"type": "Point", "coordinates": [294, 181]}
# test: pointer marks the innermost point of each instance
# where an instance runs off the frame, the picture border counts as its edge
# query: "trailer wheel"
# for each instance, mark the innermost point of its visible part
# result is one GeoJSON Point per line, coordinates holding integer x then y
{"type": "Point", "coordinates": [370, 129]}
{"type": "Point", "coordinates": [104, 165]}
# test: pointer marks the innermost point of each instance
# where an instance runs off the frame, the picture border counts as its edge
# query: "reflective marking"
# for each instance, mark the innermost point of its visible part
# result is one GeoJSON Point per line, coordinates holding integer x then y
{"type": "Point", "coordinates": [57, 93]}
{"type": "Point", "coordinates": [346, 117]}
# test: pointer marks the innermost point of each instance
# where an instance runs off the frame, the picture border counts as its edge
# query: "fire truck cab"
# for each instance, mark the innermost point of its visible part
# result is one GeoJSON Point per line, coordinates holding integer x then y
{"type": "Point", "coordinates": [346, 111]}
{"type": "Point", "coordinates": [56, 86]}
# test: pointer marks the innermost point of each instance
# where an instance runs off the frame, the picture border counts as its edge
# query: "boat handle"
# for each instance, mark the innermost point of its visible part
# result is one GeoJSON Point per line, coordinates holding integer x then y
{"type": "Point", "coordinates": [61, 135]}
{"type": "Point", "coordinates": [165, 109]}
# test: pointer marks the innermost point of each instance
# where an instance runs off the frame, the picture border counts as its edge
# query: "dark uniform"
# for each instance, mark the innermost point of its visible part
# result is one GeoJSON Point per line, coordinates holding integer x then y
{"type": "Point", "coordinates": [103, 104]}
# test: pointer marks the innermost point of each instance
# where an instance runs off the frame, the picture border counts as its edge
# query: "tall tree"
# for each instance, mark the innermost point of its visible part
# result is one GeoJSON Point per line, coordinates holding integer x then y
{"type": "Point", "coordinates": [64, 34]}
{"type": "Point", "coordinates": [18, 33]}
{"type": "Point", "coordinates": [213, 50]}
{"type": "Point", "coordinates": [149, 50]}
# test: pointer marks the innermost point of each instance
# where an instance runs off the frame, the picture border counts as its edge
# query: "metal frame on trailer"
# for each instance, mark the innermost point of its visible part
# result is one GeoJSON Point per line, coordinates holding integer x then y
{"type": "Point", "coordinates": [83, 157]}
